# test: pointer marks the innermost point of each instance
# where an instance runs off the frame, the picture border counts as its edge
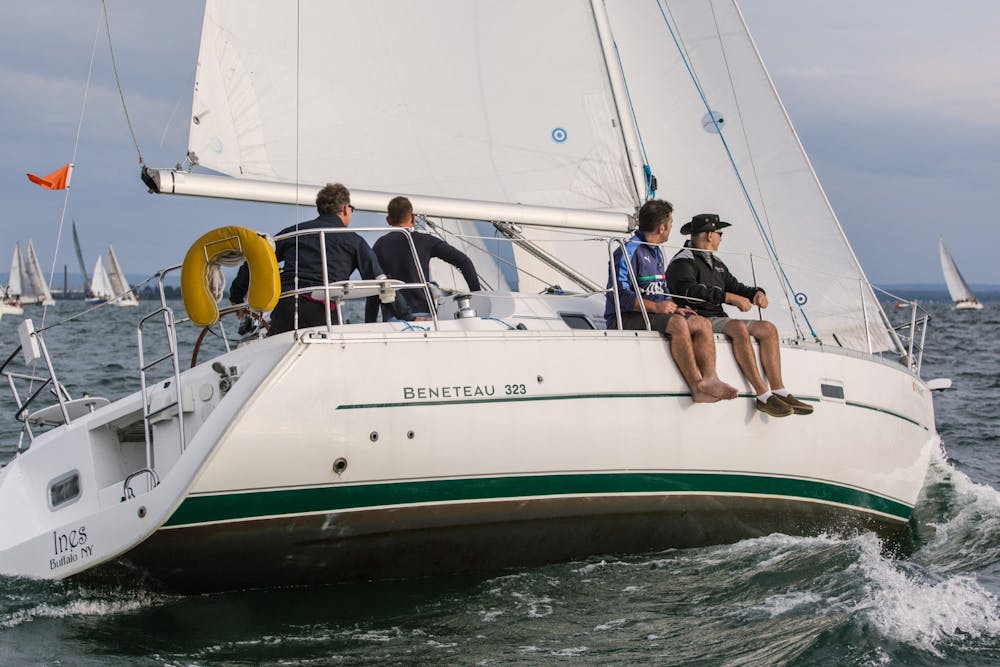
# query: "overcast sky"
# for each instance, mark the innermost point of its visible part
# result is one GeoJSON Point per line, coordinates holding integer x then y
{"type": "Point", "coordinates": [897, 103]}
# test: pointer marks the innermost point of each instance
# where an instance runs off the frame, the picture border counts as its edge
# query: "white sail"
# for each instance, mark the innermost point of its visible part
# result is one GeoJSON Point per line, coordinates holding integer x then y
{"type": "Point", "coordinates": [100, 283]}
{"type": "Point", "coordinates": [957, 287]}
{"type": "Point", "coordinates": [546, 123]}
{"type": "Point", "coordinates": [37, 289]}
{"type": "Point", "coordinates": [14, 283]}
{"type": "Point", "coordinates": [79, 258]}
{"type": "Point", "coordinates": [119, 283]}
{"type": "Point", "coordinates": [526, 113]}
{"type": "Point", "coordinates": [668, 46]}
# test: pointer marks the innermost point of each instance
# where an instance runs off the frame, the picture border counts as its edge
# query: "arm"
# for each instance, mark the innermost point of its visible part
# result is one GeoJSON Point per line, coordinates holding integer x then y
{"type": "Point", "coordinates": [240, 285]}
{"type": "Point", "coordinates": [459, 260]}
{"type": "Point", "coordinates": [743, 296]}
{"type": "Point", "coordinates": [630, 301]}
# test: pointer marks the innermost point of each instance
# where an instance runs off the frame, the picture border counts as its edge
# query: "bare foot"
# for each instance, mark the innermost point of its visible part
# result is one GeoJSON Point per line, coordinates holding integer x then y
{"type": "Point", "coordinates": [719, 389]}
{"type": "Point", "coordinates": [699, 396]}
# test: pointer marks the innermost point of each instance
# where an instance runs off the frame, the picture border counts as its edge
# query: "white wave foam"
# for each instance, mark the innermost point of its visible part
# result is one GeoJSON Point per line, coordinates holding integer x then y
{"type": "Point", "coordinates": [778, 605]}
{"type": "Point", "coordinates": [78, 607]}
{"type": "Point", "coordinates": [611, 625]}
{"type": "Point", "coordinates": [922, 612]}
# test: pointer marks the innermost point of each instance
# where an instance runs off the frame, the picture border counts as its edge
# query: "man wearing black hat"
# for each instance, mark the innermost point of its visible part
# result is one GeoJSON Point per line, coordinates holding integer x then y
{"type": "Point", "coordinates": [692, 344]}
{"type": "Point", "coordinates": [697, 272]}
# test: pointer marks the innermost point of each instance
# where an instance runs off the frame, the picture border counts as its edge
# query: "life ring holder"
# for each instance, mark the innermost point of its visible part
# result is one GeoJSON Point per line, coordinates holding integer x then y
{"type": "Point", "coordinates": [228, 246]}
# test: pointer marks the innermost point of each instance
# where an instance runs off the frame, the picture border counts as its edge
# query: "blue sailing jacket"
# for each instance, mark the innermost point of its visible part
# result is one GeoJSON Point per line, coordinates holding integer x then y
{"type": "Point", "coordinates": [649, 267]}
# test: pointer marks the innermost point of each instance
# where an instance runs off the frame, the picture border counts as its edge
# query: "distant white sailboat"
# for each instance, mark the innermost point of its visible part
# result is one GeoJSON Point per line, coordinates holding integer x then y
{"type": "Point", "coordinates": [100, 284]}
{"type": "Point", "coordinates": [959, 290]}
{"type": "Point", "coordinates": [35, 288]}
{"type": "Point", "coordinates": [11, 302]}
{"type": "Point", "coordinates": [119, 284]}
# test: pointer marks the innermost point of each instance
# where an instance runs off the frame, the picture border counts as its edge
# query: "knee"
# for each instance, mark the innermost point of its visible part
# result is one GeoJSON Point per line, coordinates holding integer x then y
{"type": "Point", "coordinates": [764, 330]}
{"type": "Point", "coordinates": [737, 331]}
{"type": "Point", "coordinates": [699, 324]}
{"type": "Point", "coordinates": [676, 326]}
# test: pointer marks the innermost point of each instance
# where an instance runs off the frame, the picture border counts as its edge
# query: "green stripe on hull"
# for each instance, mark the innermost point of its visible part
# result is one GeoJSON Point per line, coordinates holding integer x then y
{"type": "Point", "coordinates": [572, 397]}
{"type": "Point", "coordinates": [252, 504]}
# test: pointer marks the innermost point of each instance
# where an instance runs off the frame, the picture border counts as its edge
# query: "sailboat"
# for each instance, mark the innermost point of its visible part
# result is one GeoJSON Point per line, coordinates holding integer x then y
{"type": "Point", "coordinates": [109, 283]}
{"type": "Point", "coordinates": [35, 289]}
{"type": "Point", "coordinates": [514, 428]}
{"type": "Point", "coordinates": [10, 304]}
{"type": "Point", "coordinates": [119, 283]}
{"type": "Point", "coordinates": [100, 285]}
{"type": "Point", "coordinates": [961, 295]}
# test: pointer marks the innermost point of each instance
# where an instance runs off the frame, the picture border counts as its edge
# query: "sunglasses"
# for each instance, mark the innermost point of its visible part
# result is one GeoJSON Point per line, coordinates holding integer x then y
{"type": "Point", "coordinates": [351, 206]}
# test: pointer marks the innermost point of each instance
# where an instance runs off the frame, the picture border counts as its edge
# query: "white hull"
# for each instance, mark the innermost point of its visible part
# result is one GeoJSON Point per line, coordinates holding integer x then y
{"type": "Point", "coordinates": [10, 309]}
{"type": "Point", "coordinates": [557, 442]}
{"type": "Point", "coordinates": [968, 305]}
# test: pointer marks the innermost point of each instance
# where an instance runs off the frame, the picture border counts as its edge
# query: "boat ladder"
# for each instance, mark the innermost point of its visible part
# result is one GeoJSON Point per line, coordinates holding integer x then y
{"type": "Point", "coordinates": [165, 315]}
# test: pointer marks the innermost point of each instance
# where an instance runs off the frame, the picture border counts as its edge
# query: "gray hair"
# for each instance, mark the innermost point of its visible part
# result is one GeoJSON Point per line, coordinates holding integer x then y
{"type": "Point", "coordinates": [332, 198]}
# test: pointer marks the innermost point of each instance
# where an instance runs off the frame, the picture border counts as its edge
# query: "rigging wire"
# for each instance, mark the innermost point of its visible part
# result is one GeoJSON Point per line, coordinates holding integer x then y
{"type": "Point", "coordinates": [118, 82]}
{"type": "Point", "coordinates": [739, 176]}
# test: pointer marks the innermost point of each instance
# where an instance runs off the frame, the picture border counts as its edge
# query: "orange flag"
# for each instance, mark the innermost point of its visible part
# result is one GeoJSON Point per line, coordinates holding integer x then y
{"type": "Point", "coordinates": [57, 180]}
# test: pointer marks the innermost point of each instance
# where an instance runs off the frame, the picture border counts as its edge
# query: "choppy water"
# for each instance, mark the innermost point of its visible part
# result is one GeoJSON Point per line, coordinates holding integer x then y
{"type": "Point", "coordinates": [824, 600]}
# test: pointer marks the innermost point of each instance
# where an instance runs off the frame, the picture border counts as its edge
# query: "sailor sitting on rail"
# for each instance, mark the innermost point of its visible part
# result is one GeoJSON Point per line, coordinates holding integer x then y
{"type": "Point", "coordinates": [345, 253]}
{"type": "Point", "coordinates": [697, 272]}
{"type": "Point", "coordinates": [692, 344]}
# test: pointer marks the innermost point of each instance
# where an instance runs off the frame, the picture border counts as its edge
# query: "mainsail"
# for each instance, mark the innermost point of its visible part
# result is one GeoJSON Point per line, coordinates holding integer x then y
{"type": "Point", "coordinates": [957, 287]}
{"type": "Point", "coordinates": [79, 258]}
{"type": "Point", "coordinates": [14, 282]}
{"type": "Point", "coordinates": [37, 288]}
{"type": "Point", "coordinates": [570, 104]}
{"type": "Point", "coordinates": [119, 283]}
{"type": "Point", "coordinates": [100, 285]}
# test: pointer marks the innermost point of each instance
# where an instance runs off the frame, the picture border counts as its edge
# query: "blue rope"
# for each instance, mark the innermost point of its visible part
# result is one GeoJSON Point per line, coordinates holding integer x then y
{"type": "Point", "coordinates": [732, 161]}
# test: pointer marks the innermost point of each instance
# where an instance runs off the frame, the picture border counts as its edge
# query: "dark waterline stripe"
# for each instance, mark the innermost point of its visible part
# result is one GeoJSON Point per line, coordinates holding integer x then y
{"type": "Point", "coordinates": [253, 504]}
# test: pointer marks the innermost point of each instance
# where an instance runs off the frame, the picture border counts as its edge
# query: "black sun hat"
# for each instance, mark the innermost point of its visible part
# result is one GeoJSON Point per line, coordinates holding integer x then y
{"type": "Point", "coordinates": [704, 222]}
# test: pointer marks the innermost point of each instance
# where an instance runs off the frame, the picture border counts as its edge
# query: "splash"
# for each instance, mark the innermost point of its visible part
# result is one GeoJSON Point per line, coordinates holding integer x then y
{"type": "Point", "coordinates": [915, 608]}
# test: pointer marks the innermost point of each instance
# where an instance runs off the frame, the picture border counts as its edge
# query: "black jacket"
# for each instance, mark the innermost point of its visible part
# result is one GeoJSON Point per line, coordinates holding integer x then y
{"type": "Point", "coordinates": [702, 275]}
{"type": "Point", "coordinates": [345, 253]}
{"type": "Point", "coordinates": [396, 258]}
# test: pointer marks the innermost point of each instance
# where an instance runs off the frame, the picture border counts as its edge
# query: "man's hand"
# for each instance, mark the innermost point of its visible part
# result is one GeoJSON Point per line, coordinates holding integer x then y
{"type": "Point", "coordinates": [740, 302]}
{"type": "Point", "coordinates": [760, 299]}
{"type": "Point", "coordinates": [241, 313]}
{"type": "Point", "coordinates": [665, 307]}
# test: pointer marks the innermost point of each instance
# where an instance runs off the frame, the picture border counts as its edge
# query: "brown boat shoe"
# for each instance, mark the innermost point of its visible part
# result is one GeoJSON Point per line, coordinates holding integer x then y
{"type": "Point", "coordinates": [774, 407]}
{"type": "Point", "coordinates": [797, 406]}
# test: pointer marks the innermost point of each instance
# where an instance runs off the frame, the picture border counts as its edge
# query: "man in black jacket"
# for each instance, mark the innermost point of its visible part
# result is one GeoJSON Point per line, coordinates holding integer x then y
{"type": "Point", "coordinates": [396, 257]}
{"type": "Point", "coordinates": [696, 272]}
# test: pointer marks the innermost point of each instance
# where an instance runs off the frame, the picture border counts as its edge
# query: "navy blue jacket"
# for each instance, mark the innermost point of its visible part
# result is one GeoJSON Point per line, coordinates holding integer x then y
{"type": "Point", "coordinates": [394, 255]}
{"type": "Point", "coordinates": [648, 264]}
{"type": "Point", "coordinates": [345, 253]}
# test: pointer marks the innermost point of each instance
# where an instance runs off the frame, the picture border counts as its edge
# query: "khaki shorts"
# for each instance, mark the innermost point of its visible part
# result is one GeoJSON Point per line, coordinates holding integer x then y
{"type": "Point", "coordinates": [719, 323]}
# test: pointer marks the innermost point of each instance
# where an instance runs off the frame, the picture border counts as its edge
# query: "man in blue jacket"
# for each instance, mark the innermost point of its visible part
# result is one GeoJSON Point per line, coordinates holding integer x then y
{"type": "Point", "coordinates": [697, 272]}
{"type": "Point", "coordinates": [692, 344]}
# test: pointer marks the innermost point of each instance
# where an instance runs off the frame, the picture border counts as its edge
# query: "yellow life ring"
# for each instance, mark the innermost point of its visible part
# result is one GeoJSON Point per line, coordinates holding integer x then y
{"type": "Point", "coordinates": [228, 246]}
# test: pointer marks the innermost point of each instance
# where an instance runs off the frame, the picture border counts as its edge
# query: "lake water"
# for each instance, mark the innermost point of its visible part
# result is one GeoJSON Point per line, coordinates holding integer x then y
{"type": "Point", "coordinates": [775, 600]}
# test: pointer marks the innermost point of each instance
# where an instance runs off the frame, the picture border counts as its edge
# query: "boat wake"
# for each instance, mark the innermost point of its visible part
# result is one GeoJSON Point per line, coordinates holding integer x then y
{"type": "Point", "coordinates": [24, 601]}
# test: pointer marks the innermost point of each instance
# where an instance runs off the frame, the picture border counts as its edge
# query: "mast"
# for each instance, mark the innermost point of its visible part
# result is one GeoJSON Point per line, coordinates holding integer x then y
{"type": "Point", "coordinates": [619, 93]}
